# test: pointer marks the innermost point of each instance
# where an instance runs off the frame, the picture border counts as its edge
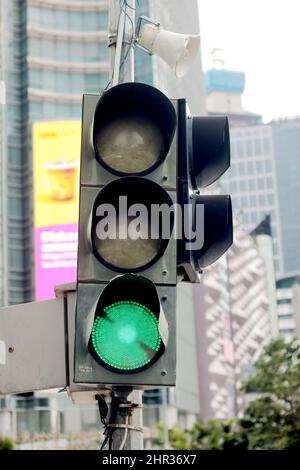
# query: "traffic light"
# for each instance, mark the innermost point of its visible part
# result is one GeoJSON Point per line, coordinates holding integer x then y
{"type": "Point", "coordinates": [143, 221]}
{"type": "Point", "coordinates": [204, 157]}
{"type": "Point", "coordinates": [127, 250]}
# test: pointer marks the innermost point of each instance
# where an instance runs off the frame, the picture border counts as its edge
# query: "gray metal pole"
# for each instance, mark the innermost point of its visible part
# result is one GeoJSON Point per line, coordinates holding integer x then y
{"type": "Point", "coordinates": [136, 435]}
{"type": "Point", "coordinates": [120, 38]}
{"type": "Point", "coordinates": [3, 151]}
{"type": "Point", "coordinates": [164, 410]}
{"type": "Point", "coordinates": [129, 434]}
{"type": "Point", "coordinates": [130, 33]}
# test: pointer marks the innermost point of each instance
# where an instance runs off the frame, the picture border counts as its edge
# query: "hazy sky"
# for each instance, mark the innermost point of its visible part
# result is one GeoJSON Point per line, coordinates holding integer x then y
{"type": "Point", "coordinates": [261, 38]}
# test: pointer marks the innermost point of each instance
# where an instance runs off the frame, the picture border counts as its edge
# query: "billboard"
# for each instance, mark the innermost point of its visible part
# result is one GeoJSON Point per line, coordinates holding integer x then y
{"type": "Point", "coordinates": [56, 158]}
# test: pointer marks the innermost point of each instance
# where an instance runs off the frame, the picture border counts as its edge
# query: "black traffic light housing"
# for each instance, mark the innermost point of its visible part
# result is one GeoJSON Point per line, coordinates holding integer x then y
{"type": "Point", "coordinates": [129, 150]}
{"type": "Point", "coordinates": [209, 149]}
{"type": "Point", "coordinates": [204, 157]}
{"type": "Point", "coordinates": [139, 146]}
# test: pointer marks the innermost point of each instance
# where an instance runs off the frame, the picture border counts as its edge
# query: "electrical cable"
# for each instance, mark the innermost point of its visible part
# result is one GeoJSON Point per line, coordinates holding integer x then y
{"type": "Point", "coordinates": [103, 410]}
{"type": "Point", "coordinates": [108, 428]}
{"type": "Point", "coordinates": [125, 434]}
{"type": "Point", "coordinates": [131, 43]}
{"type": "Point", "coordinates": [104, 442]}
{"type": "Point", "coordinates": [123, 6]}
{"type": "Point", "coordinates": [132, 8]}
{"type": "Point", "coordinates": [118, 24]}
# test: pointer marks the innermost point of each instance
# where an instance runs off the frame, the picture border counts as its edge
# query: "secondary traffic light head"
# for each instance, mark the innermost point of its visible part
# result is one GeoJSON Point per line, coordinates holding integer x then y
{"type": "Point", "coordinates": [205, 157]}
{"type": "Point", "coordinates": [209, 150]}
{"type": "Point", "coordinates": [218, 232]}
{"type": "Point", "coordinates": [127, 270]}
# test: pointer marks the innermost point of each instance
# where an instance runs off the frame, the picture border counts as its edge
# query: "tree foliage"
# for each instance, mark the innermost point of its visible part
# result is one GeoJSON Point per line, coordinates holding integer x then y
{"type": "Point", "coordinates": [211, 435]}
{"type": "Point", "coordinates": [6, 443]}
{"type": "Point", "coordinates": [270, 421]}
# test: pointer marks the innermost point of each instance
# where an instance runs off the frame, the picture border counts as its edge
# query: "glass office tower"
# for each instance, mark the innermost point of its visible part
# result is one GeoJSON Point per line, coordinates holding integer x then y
{"type": "Point", "coordinates": [50, 53]}
{"type": "Point", "coordinates": [15, 172]}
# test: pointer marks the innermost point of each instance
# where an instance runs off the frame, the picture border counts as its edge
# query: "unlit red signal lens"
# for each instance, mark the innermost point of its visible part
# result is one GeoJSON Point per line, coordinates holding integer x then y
{"type": "Point", "coordinates": [130, 145]}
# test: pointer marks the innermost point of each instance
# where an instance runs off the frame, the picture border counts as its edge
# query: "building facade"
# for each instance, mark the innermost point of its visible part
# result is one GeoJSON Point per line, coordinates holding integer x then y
{"type": "Point", "coordinates": [15, 173]}
{"type": "Point", "coordinates": [252, 182]}
{"type": "Point", "coordinates": [263, 181]}
{"type": "Point", "coordinates": [233, 325]}
{"type": "Point", "coordinates": [288, 305]}
{"type": "Point", "coordinates": [262, 234]}
{"type": "Point", "coordinates": [51, 53]}
{"type": "Point", "coordinates": [286, 147]}
{"type": "Point", "coordinates": [224, 89]}
{"type": "Point", "coordinates": [263, 178]}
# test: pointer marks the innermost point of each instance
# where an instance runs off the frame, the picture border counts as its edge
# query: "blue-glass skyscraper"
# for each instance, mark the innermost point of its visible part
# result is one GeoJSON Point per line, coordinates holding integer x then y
{"type": "Point", "coordinates": [51, 52]}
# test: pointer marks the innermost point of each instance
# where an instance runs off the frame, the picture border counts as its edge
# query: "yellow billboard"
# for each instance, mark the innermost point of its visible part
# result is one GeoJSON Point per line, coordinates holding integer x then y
{"type": "Point", "coordinates": [56, 152]}
{"type": "Point", "coordinates": [56, 158]}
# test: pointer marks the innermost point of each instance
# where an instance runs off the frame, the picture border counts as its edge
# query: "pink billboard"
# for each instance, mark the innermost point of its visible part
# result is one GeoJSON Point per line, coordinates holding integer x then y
{"type": "Point", "coordinates": [56, 153]}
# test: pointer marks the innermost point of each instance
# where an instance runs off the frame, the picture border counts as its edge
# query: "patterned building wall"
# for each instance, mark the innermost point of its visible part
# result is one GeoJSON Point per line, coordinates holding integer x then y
{"type": "Point", "coordinates": [233, 326]}
{"type": "Point", "coordinates": [251, 318]}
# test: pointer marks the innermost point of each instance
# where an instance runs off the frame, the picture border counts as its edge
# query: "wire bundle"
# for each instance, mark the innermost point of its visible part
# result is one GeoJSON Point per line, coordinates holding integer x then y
{"type": "Point", "coordinates": [124, 5]}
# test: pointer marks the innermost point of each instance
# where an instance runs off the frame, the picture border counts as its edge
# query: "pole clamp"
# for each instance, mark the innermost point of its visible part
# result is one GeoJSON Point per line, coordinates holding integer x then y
{"type": "Point", "coordinates": [124, 426]}
{"type": "Point", "coordinates": [112, 40]}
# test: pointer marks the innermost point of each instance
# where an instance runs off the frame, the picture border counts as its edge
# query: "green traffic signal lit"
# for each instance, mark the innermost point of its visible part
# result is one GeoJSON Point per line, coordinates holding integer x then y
{"type": "Point", "coordinates": [126, 337]}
